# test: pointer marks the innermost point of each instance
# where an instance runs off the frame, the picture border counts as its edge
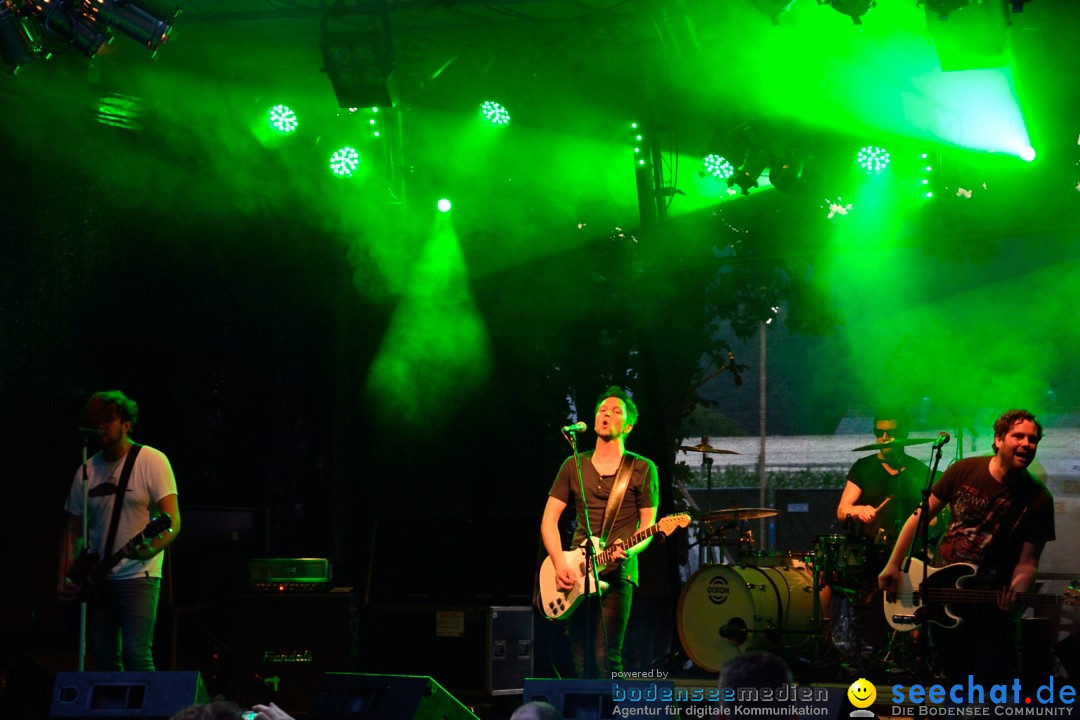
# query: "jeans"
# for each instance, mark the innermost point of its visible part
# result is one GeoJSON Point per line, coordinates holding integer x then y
{"type": "Point", "coordinates": [122, 625]}
{"type": "Point", "coordinates": [614, 607]}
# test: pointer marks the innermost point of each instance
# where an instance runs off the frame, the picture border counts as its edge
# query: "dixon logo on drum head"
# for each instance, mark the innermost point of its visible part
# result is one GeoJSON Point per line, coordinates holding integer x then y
{"type": "Point", "coordinates": [718, 590]}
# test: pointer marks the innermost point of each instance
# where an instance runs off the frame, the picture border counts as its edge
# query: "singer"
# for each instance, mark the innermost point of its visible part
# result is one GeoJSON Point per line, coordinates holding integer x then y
{"type": "Point", "coordinates": [616, 415]}
{"type": "Point", "coordinates": [1002, 517]}
{"type": "Point", "coordinates": [121, 630]}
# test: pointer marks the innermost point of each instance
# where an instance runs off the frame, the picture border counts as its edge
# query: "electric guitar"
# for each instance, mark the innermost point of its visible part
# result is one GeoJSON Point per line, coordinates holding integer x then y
{"type": "Point", "coordinates": [88, 570]}
{"type": "Point", "coordinates": [558, 604]}
{"type": "Point", "coordinates": [911, 606]}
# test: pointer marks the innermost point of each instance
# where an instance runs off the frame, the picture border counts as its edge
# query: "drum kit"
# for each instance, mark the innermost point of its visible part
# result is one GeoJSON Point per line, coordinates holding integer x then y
{"type": "Point", "coordinates": [775, 601]}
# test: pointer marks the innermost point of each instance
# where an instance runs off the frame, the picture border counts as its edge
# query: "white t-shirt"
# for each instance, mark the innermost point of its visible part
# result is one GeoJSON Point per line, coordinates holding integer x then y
{"type": "Point", "coordinates": [151, 480]}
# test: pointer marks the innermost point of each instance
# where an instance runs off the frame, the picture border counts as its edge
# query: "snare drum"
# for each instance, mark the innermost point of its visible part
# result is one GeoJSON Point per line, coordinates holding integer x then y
{"type": "Point", "coordinates": [726, 610]}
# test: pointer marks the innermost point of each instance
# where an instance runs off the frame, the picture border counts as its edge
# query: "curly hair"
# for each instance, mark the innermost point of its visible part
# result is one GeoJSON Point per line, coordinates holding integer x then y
{"type": "Point", "coordinates": [1009, 418]}
{"type": "Point", "coordinates": [108, 404]}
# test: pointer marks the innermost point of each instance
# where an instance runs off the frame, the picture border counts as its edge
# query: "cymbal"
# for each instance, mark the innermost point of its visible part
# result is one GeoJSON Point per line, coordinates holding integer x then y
{"type": "Point", "coordinates": [706, 448]}
{"type": "Point", "coordinates": [737, 514]}
{"type": "Point", "coordinates": [892, 444]}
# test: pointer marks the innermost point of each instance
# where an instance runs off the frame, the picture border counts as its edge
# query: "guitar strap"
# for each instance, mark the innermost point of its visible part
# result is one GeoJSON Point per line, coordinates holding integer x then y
{"type": "Point", "coordinates": [618, 490]}
{"type": "Point", "coordinates": [118, 500]}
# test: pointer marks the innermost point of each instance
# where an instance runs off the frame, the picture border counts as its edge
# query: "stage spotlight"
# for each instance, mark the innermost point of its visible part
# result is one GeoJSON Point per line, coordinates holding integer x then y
{"type": "Point", "coordinates": [81, 29]}
{"type": "Point", "coordinates": [1027, 154]}
{"type": "Point", "coordinates": [855, 9]}
{"type": "Point", "coordinates": [747, 176]}
{"type": "Point", "coordinates": [344, 161]}
{"type": "Point", "coordinates": [141, 21]}
{"type": "Point", "coordinates": [444, 205]}
{"type": "Point", "coordinates": [282, 119]}
{"type": "Point", "coordinates": [16, 46]}
{"type": "Point", "coordinates": [717, 166]}
{"type": "Point", "coordinates": [360, 64]}
{"type": "Point", "coordinates": [785, 172]}
{"type": "Point", "coordinates": [942, 8]}
{"type": "Point", "coordinates": [872, 159]}
{"type": "Point", "coordinates": [773, 8]}
{"type": "Point", "coordinates": [495, 113]}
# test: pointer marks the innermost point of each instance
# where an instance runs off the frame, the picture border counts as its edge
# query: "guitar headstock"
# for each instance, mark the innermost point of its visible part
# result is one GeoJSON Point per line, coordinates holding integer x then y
{"type": "Point", "coordinates": [1071, 596]}
{"type": "Point", "coordinates": [671, 523]}
{"type": "Point", "coordinates": [158, 525]}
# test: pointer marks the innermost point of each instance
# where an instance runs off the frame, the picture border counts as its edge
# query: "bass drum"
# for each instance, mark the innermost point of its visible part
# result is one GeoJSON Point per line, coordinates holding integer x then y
{"type": "Point", "coordinates": [726, 610]}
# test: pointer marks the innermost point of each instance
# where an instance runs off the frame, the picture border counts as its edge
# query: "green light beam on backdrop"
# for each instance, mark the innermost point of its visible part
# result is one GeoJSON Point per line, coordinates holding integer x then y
{"type": "Point", "coordinates": [436, 349]}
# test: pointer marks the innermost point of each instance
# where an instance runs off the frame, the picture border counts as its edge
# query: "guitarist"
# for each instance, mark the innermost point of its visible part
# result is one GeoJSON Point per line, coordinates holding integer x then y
{"type": "Point", "coordinates": [122, 618]}
{"type": "Point", "coordinates": [616, 414]}
{"type": "Point", "coordinates": [1001, 519]}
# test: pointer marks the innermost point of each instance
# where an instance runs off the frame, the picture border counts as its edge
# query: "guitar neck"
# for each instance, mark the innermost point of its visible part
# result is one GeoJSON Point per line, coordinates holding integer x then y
{"type": "Point", "coordinates": [640, 536]}
{"type": "Point", "coordinates": [964, 595]}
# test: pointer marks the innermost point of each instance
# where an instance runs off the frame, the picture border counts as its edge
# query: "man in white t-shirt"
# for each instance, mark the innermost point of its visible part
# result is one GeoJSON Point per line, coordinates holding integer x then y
{"type": "Point", "coordinates": [124, 611]}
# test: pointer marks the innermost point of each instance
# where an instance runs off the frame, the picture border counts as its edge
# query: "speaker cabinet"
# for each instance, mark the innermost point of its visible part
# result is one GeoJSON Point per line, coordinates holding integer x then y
{"type": "Point", "coordinates": [598, 699]}
{"type": "Point", "coordinates": [147, 695]}
{"type": "Point", "coordinates": [288, 641]}
{"type": "Point", "coordinates": [470, 650]}
{"type": "Point", "coordinates": [354, 696]}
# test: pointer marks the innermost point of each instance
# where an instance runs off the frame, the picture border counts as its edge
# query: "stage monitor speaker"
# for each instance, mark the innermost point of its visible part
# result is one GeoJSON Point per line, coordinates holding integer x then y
{"type": "Point", "coordinates": [106, 695]}
{"type": "Point", "coordinates": [356, 696]}
{"type": "Point", "coordinates": [597, 699]}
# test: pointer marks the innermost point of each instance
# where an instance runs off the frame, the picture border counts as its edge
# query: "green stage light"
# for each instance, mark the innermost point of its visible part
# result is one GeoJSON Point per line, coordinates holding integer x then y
{"type": "Point", "coordinates": [717, 166]}
{"type": "Point", "coordinates": [283, 119]}
{"type": "Point", "coordinates": [495, 113]}
{"type": "Point", "coordinates": [443, 205]}
{"type": "Point", "coordinates": [1027, 154]}
{"type": "Point", "coordinates": [344, 161]}
{"type": "Point", "coordinates": [873, 159]}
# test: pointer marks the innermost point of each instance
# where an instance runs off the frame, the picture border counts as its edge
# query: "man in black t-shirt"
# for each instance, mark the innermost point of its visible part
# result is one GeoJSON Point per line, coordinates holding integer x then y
{"type": "Point", "coordinates": [1002, 517]}
{"type": "Point", "coordinates": [616, 414]}
{"type": "Point", "coordinates": [891, 475]}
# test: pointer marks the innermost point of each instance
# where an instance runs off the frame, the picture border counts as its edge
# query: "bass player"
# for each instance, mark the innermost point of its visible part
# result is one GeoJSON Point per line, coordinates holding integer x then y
{"type": "Point", "coordinates": [1001, 519]}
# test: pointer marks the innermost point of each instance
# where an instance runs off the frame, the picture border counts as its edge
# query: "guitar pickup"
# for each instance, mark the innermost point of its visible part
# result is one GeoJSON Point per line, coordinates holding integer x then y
{"type": "Point", "coordinates": [905, 619]}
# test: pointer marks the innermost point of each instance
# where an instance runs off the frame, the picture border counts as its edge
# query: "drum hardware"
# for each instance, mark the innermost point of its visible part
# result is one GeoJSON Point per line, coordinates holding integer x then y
{"type": "Point", "coordinates": [734, 515]}
{"type": "Point", "coordinates": [892, 444]}
{"type": "Point", "coordinates": [705, 449]}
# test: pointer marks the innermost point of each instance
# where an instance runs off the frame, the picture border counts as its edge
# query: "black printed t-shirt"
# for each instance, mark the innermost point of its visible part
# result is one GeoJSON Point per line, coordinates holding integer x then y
{"type": "Point", "coordinates": [991, 520]}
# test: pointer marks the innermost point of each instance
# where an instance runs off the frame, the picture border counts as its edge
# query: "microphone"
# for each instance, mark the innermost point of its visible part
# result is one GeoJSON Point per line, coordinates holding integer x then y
{"type": "Point", "coordinates": [942, 438]}
{"type": "Point", "coordinates": [89, 432]}
{"type": "Point", "coordinates": [575, 428]}
{"type": "Point", "coordinates": [734, 367]}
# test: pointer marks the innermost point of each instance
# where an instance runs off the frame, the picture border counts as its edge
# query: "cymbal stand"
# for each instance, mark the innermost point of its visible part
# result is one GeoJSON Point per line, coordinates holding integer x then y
{"type": "Point", "coordinates": [705, 546]}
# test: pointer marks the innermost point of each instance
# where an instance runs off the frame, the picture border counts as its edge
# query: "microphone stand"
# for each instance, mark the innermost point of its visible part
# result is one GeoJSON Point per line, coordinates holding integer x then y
{"type": "Point", "coordinates": [81, 658]}
{"type": "Point", "coordinates": [922, 540]}
{"type": "Point", "coordinates": [592, 575]}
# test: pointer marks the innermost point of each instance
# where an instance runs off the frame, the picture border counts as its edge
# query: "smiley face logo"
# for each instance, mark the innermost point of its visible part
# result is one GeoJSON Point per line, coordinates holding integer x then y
{"type": "Point", "coordinates": [862, 693]}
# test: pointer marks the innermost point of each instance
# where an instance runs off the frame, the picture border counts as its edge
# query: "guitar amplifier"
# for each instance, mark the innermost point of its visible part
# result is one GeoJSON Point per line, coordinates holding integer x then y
{"type": "Point", "coordinates": [288, 574]}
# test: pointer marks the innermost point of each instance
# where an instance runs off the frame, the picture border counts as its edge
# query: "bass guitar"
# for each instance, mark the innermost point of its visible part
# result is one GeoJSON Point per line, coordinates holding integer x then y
{"type": "Point", "coordinates": [88, 570]}
{"type": "Point", "coordinates": [934, 600]}
{"type": "Point", "coordinates": [558, 604]}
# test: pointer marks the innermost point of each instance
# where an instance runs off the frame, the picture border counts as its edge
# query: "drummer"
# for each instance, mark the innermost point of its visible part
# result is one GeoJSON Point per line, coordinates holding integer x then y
{"type": "Point", "coordinates": [883, 490]}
